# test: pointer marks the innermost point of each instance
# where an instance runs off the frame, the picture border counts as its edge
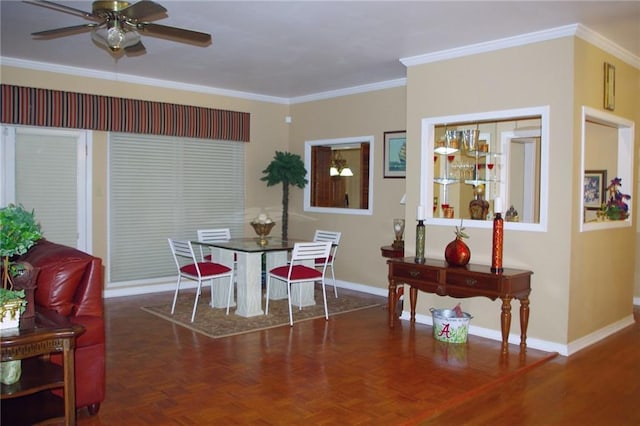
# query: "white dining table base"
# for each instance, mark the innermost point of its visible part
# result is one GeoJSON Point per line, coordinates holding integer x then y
{"type": "Point", "coordinates": [221, 285]}
{"type": "Point", "coordinates": [248, 276]}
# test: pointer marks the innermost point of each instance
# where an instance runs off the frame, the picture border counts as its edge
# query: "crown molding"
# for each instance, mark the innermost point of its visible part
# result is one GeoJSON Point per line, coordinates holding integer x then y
{"type": "Point", "coordinates": [350, 91]}
{"type": "Point", "coordinates": [577, 30]}
{"type": "Point", "coordinates": [607, 45]}
{"type": "Point", "coordinates": [134, 79]}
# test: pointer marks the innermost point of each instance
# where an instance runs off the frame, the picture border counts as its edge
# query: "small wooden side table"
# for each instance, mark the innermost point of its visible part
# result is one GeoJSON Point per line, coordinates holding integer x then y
{"type": "Point", "coordinates": [28, 343]}
{"type": "Point", "coordinates": [437, 277]}
{"type": "Point", "coordinates": [391, 252]}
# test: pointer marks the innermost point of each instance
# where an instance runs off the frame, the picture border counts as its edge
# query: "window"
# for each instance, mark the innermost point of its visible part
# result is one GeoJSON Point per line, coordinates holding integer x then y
{"type": "Point", "coordinates": [161, 187]}
{"type": "Point", "coordinates": [48, 170]}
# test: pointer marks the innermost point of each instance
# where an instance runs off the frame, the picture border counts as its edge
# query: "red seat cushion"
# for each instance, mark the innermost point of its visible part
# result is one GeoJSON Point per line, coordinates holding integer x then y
{"type": "Point", "coordinates": [208, 258]}
{"type": "Point", "coordinates": [206, 268]}
{"type": "Point", "coordinates": [299, 272]}
{"type": "Point", "coordinates": [320, 260]}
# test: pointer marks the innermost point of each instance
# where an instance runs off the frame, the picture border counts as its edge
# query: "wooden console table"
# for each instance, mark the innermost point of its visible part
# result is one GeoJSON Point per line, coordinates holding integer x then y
{"type": "Point", "coordinates": [435, 276]}
{"type": "Point", "coordinates": [29, 343]}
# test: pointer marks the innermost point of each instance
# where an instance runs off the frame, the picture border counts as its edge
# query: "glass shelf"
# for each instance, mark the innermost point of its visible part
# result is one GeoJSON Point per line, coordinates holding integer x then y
{"type": "Point", "coordinates": [445, 181]}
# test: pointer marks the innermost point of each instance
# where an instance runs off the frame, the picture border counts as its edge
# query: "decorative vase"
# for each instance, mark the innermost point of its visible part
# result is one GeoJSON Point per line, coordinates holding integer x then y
{"type": "Point", "coordinates": [457, 253]}
{"type": "Point", "coordinates": [263, 229]}
{"type": "Point", "coordinates": [478, 207]}
{"type": "Point", "coordinates": [496, 248]}
{"type": "Point", "coordinates": [10, 371]}
{"type": "Point", "coordinates": [27, 280]}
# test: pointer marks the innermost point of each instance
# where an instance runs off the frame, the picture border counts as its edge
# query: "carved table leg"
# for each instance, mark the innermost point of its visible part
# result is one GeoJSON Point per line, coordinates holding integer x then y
{"type": "Point", "coordinates": [524, 323]}
{"type": "Point", "coordinates": [392, 302]}
{"type": "Point", "coordinates": [413, 298]}
{"type": "Point", "coordinates": [505, 322]}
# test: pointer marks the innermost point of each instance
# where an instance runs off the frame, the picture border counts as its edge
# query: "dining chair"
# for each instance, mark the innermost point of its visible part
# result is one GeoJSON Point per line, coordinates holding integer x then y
{"type": "Point", "coordinates": [210, 236]}
{"type": "Point", "coordinates": [296, 272]}
{"type": "Point", "coordinates": [334, 237]}
{"type": "Point", "coordinates": [189, 268]}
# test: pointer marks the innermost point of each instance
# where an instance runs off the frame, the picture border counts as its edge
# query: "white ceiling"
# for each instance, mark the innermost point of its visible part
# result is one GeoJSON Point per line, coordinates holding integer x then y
{"type": "Point", "coordinates": [293, 49]}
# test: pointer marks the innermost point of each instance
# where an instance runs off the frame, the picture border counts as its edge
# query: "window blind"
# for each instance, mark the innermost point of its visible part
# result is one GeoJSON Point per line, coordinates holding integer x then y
{"type": "Point", "coordinates": [161, 187]}
{"type": "Point", "coordinates": [46, 165]}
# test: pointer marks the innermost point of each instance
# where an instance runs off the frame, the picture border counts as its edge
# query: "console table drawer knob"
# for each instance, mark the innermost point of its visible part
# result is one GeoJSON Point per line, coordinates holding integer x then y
{"type": "Point", "coordinates": [471, 282]}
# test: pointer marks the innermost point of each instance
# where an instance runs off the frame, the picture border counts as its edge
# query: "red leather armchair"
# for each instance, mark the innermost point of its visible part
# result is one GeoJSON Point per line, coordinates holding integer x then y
{"type": "Point", "coordinates": [70, 282]}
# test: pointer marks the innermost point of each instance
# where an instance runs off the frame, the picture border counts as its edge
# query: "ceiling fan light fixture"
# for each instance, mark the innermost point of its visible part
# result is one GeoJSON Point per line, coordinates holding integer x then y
{"type": "Point", "coordinates": [115, 38]}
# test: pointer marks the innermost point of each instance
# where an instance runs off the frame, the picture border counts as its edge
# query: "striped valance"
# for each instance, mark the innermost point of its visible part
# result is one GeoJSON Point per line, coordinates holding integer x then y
{"type": "Point", "coordinates": [54, 108]}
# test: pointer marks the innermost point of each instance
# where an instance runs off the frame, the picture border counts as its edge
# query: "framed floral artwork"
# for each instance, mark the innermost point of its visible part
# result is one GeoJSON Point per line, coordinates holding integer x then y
{"type": "Point", "coordinates": [594, 192]}
{"type": "Point", "coordinates": [395, 154]}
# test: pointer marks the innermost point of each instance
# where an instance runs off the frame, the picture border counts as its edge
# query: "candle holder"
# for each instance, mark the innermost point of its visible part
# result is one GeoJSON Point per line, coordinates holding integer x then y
{"type": "Point", "coordinates": [420, 237]}
{"type": "Point", "coordinates": [398, 229]}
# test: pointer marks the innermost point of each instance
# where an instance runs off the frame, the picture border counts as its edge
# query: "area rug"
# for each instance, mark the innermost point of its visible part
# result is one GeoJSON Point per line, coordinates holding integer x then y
{"type": "Point", "coordinates": [214, 322]}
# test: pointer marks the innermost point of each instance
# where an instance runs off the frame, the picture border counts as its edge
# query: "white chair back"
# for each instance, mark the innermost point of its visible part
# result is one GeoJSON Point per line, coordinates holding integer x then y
{"type": "Point", "coordinates": [210, 236]}
{"type": "Point", "coordinates": [183, 254]}
{"type": "Point", "coordinates": [334, 237]}
{"type": "Point", "coordinates": [310, 251]}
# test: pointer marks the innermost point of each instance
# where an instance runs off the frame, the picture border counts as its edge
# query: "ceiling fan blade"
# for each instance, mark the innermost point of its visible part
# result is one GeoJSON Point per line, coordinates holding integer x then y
{"type": "Point", "coordinates": [143, 9]}
{"type": "Point", "coordinates": [135, 50]}
{"type": "Point", "coordinates": [63, 8]}
{"type": "Point", "coordinates": [65, 31]}
{"type": "Point", "coordinates": [176, 34]}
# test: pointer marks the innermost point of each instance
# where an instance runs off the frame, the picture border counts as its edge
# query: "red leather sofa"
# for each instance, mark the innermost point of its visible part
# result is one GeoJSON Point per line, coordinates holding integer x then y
{"type": "Point", "coordinates": [70, 282]}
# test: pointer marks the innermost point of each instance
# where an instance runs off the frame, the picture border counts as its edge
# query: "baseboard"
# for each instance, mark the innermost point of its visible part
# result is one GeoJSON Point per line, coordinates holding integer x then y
{"type": "Point", "coordinates": [598, 335]}
{"type": "Point", "coordinates": [146, 287]}
{"type": "Point", "coordinates": [543, 345]}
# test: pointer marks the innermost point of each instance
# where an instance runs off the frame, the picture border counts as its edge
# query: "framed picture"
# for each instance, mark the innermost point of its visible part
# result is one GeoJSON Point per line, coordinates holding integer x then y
{"type": "Point", "coordinates": [609, 87]}
{"type": "Point", "coordinates": [395, 154]}
{"type": "Point", "coordinates": [595, 189]}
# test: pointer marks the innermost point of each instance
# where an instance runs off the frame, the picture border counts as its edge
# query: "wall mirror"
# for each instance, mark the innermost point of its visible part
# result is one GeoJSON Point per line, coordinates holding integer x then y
{"type": "Point", "coordinates": [340, 176]}
{"type": "Point", "coordinates": [476, 164]}
{"type": "Point", "coordinates": [607, 153]}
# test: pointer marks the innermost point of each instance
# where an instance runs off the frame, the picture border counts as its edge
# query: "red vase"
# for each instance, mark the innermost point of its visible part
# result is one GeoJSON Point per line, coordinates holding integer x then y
{"type": "Point", "coordinates": [457, 253]}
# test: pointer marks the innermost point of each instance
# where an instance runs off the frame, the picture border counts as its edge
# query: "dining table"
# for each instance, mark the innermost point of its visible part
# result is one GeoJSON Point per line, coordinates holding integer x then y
{"type": "Point", "coordinates": [245, 255]}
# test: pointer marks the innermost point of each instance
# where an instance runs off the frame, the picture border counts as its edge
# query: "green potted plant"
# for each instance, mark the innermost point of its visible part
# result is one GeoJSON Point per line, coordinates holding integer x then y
{"type": "Point", "coordinates": [20, 232]}
{"type": "Point", "coordinates": [286, 168]}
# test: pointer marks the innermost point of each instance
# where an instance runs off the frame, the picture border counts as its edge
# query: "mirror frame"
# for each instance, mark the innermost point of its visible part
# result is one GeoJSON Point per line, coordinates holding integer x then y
{"type": "Point", "coordinates": [307, 163]}
{"type": "Point", "coordinates": [625, 163]}
{"type": "Point", "coordinates": [426, 172]}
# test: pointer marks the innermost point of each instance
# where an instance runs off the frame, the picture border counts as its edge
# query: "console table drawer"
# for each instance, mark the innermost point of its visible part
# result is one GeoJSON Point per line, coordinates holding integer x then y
{"type": "Point", "coordinates": [469, 281]}
{"type": "Point", "coordinates": [410, 272]}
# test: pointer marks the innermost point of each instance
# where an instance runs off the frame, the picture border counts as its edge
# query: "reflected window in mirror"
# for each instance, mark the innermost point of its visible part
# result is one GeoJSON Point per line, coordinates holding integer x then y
{"type": "Point", "coordinates": [475, 165]}
{"type": "Point", "coordinates": [340, 177]}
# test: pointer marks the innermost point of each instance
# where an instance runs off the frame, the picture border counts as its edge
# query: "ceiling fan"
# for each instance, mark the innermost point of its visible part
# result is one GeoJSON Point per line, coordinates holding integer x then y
{"type": "Point", "coordinates": [117, 25]}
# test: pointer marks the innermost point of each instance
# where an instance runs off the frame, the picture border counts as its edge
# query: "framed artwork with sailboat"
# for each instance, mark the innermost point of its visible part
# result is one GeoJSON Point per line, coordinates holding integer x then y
{"type": "Point", "coordinates": [395, 154]}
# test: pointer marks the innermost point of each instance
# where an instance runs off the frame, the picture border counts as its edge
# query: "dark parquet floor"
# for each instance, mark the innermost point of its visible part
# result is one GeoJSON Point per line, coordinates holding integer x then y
{"type": "Point", "coordinates": [353, 370]}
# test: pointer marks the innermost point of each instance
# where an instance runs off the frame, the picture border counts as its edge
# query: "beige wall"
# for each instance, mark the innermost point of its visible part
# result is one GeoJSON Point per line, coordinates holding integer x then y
{"type": "Point", "coordinates": [603, 262]}
{"type": "Point", "coordinates": [373, 113]}
{"type": "Point", "coordinates": [534, 75]}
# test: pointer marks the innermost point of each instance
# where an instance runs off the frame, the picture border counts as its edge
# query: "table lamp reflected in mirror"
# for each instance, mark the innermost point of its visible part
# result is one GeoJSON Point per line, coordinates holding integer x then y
{"type": "Point", "coordinates": [398, 229]}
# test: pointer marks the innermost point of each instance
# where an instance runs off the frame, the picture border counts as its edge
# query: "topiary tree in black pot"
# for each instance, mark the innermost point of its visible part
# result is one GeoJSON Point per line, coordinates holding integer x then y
{"type": "Point", "coordinates": [286, 168]}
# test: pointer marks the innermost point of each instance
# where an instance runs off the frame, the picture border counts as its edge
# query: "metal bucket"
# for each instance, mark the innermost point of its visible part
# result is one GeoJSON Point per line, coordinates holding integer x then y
{"type": "Point", "coordinates": [448, 327]}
